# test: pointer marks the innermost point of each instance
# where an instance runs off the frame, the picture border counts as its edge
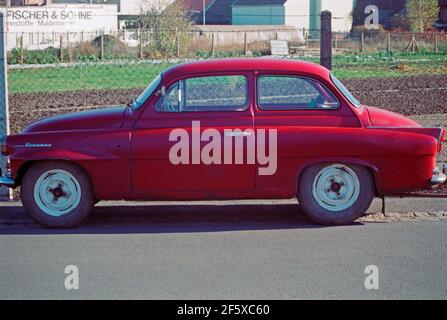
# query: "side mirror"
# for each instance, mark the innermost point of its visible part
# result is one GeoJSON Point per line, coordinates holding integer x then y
{"type": "Point", "coordinates": [161, 92]}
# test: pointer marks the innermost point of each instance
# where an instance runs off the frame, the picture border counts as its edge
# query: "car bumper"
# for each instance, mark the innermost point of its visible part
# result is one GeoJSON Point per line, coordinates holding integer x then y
{"type": "Point", "coordinates": [7, 181]}
{"type": "Point", "coordinates": [438, 176]}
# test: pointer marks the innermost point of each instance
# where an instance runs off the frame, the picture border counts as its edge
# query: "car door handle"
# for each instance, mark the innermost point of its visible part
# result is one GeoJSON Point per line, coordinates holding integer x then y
{"type": "Point", "coordinates": [237, 134]}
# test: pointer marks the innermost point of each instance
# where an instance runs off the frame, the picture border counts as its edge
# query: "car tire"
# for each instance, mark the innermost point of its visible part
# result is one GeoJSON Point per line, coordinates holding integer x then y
{"type": "Point", "coordinates": [335, 194]}
{"type": "Point", "coordinates": [57, 194]}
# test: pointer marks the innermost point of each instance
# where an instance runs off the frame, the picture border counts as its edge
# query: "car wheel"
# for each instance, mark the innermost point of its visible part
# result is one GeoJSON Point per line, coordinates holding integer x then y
{"type": "Point", "coordinates": [335, 194]}
{"type": "Point", "coordinates": [57, 194]}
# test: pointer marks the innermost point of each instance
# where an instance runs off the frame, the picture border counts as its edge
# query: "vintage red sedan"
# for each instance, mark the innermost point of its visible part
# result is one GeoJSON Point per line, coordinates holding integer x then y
{"type": "Point", "coordinates": [225, 129]}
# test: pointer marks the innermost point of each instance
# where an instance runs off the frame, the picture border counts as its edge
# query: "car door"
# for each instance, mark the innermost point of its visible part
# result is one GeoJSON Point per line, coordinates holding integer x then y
{"type": "Point", "coordinates": [181, 141]}
{"type": "Point", "coordinates": [309, 119]}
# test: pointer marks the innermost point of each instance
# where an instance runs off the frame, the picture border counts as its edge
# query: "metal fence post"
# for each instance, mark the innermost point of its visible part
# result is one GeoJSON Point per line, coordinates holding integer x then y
{"type": "Point", "coordinates": [436, 44]}
{"type": "Point", "coordinates": [61, 46]}
{"type": "Point", "coordinates": [388, 41]}
{"type": "Point", "coordinates": [101, 54]}
{"type": "Point", "coordinates": [4, 110]}
{"type": "Point", "coordinates": [140, 43]}
{"type": "Point", "coordinates": [326, 39]}
{"type": "Point", "coordinates": [212, 45]}
{"type": "Point", "coordinates": [362, 42]}
{"type": "Point", "coordinates": [21, 49]}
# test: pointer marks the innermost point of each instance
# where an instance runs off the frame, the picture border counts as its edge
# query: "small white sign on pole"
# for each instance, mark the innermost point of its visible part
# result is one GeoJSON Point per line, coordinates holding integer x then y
{"type": "Point", "coordinates": [279, 47]}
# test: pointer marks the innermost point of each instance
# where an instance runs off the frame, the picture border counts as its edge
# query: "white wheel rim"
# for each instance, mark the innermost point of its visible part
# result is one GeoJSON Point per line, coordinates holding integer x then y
{"type": "Point", "coordinates": [336, 188]}
{"type": "Point", "coordinates": [57, 192]}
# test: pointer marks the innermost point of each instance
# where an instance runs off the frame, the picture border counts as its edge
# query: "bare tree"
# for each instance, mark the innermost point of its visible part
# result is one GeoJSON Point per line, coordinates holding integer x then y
{"type": "Point", "coordinates": [421, 14]}
{"type": "Point", "coordinates": [165, 24]}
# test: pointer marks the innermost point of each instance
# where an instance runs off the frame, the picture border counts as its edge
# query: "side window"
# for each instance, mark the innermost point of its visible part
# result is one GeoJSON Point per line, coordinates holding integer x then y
{"type": "Point", "coordinates": [293, 93]}
{"type": "Point", "coordinates": [216, 93]}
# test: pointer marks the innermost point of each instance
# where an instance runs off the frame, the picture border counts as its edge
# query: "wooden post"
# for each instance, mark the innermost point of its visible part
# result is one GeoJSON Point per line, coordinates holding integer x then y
{"type": "Point", "coordinates": [412, 45]}
{"type": "Point", "coordinates": [245, 44]}
{"type": "Point", "coordinates": [101, 54]}
{"type": "Point", "coordinates": [436, 44]}
{"type": "Point", "coordinates": [61, 46]}
{"type": "Point", "coordinates": [140, 44]}
{"type": "Point", "coordinates": [388, 42]}
{"type": "Point", "coordinates": [177, 46]}
{"type": "Point", "coordinates": [21, 49]}
{"type": "Point", "coordinates": [335, 41]}
{"type": "Point", "coordinates": [362, 42]}
{"type": "Point", "coordinates": [68, 47]}
{"type": "Point", "coordinates": [326, 41]}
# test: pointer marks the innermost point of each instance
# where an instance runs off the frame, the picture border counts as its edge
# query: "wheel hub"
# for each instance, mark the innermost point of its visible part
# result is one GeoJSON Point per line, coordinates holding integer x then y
{"type": "Point", "coordinates": [57, 192]}
{"type": "Point", "coordinates": [336, 188]}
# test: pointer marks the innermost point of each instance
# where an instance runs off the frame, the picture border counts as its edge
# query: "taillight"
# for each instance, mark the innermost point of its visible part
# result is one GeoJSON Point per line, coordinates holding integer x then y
{"type": "Point", "coordinates": [441, 140]}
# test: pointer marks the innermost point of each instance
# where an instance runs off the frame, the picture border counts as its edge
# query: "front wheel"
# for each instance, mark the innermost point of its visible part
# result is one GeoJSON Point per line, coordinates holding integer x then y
{"type": "Point", "coordinates": [57, 194]}
{"type": "Point", "coordinates": [335, 194]}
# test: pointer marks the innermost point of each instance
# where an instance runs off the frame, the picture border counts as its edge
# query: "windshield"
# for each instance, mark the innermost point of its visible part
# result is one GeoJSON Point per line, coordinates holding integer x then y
{"type": "Point", "coordinates": [345, 91]}
{"type": "Point", "coordinates": [147, 92]}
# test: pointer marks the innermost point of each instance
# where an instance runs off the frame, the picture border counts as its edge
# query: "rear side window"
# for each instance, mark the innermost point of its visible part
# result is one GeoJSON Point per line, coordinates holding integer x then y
{"type": "Point", "coordinates": [201, 94]}
{"type": "Point", "coordinates": [293, 93]}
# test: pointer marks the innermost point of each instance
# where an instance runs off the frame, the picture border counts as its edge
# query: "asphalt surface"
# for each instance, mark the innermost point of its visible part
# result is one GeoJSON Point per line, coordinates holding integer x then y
{"type": "Point", "coordinates": [214, 250]}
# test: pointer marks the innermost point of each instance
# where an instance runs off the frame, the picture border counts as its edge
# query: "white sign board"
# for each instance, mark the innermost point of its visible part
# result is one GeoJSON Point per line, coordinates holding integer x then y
{"type": "Point", "coordinates": [62, 18]}
{"type": "Point", "coordinates": [59, 19]}
{"type": "Point", "coordinates": [279, 47]}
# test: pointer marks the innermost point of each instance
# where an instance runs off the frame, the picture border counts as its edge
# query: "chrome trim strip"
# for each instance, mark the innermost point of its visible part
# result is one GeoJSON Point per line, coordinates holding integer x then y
{"type": "Point", "coordinates": [400, 127]}
{"type": "Point", "coordinates": [34, 145]}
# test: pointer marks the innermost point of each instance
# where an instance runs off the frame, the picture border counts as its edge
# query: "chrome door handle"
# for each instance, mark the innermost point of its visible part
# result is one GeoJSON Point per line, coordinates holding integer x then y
{"type": "Point", "coordinates": [237, 134]}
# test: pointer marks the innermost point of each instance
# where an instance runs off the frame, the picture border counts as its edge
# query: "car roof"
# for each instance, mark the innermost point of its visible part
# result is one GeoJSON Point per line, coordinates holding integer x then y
{"type": "Point", "coordinates": [246, 64]}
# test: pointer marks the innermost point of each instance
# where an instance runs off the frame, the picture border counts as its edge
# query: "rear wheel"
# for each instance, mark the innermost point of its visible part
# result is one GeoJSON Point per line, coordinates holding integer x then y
{"type": "Point", "coordinates": [335, 194]}
{"type": "Point", "coordinates": [57, 194]}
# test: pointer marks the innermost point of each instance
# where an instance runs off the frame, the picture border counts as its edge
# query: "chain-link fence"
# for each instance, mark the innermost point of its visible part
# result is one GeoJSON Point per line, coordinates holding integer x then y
{"type": "Point", "coordinates": [203, 42]}
{"type": "Point", "coordinates": [51, 74]}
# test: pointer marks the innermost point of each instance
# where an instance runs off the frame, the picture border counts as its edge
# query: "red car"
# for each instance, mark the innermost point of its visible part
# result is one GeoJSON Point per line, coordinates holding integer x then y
{"type": "Point", "coordinates": [225, 129]}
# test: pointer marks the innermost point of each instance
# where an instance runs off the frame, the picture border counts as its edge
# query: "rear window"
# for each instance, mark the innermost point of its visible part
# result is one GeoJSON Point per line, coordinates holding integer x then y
{"type": "Point", "coordinates": [293, 93]}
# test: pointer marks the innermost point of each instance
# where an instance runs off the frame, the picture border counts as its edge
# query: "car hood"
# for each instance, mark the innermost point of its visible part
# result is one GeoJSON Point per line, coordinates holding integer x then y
{"type": "Point", "coordinates": [106, 118]}
{"type": "Point", "coordinates": [384, 118]}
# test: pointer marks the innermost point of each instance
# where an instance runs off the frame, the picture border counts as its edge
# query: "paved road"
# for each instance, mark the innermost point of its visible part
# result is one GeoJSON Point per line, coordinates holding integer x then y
{"type": "Point", "coordinates": [240, 250]}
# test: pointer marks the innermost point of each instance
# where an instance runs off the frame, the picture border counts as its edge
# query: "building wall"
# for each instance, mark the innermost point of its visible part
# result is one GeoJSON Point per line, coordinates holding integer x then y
{"type": "Point", "coordinates": [341, 10]}
{"type": "Point", "coordinates": [41, 26]}
{"type": "Point", "coordinates": [297, 13]}
{"type": "Point", "coordinates": [258, 15]}
{"type": "Point", "coordinates": [130, 7]}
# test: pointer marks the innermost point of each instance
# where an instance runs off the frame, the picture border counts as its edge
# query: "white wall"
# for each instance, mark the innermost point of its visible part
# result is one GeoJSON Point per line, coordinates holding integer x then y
{"type": "Point", "coordinates": [130, 7]}
{"type": "Point", "coordinates": [340, 9]}
{"type": "Point", "coordinates": [42, 26]}
{"type": "Point", "coordinates": [297, 12]}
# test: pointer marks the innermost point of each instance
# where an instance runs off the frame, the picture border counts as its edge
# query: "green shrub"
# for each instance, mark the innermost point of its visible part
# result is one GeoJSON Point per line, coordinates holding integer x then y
{"type": "Point", "coordinates": [46, 56]}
